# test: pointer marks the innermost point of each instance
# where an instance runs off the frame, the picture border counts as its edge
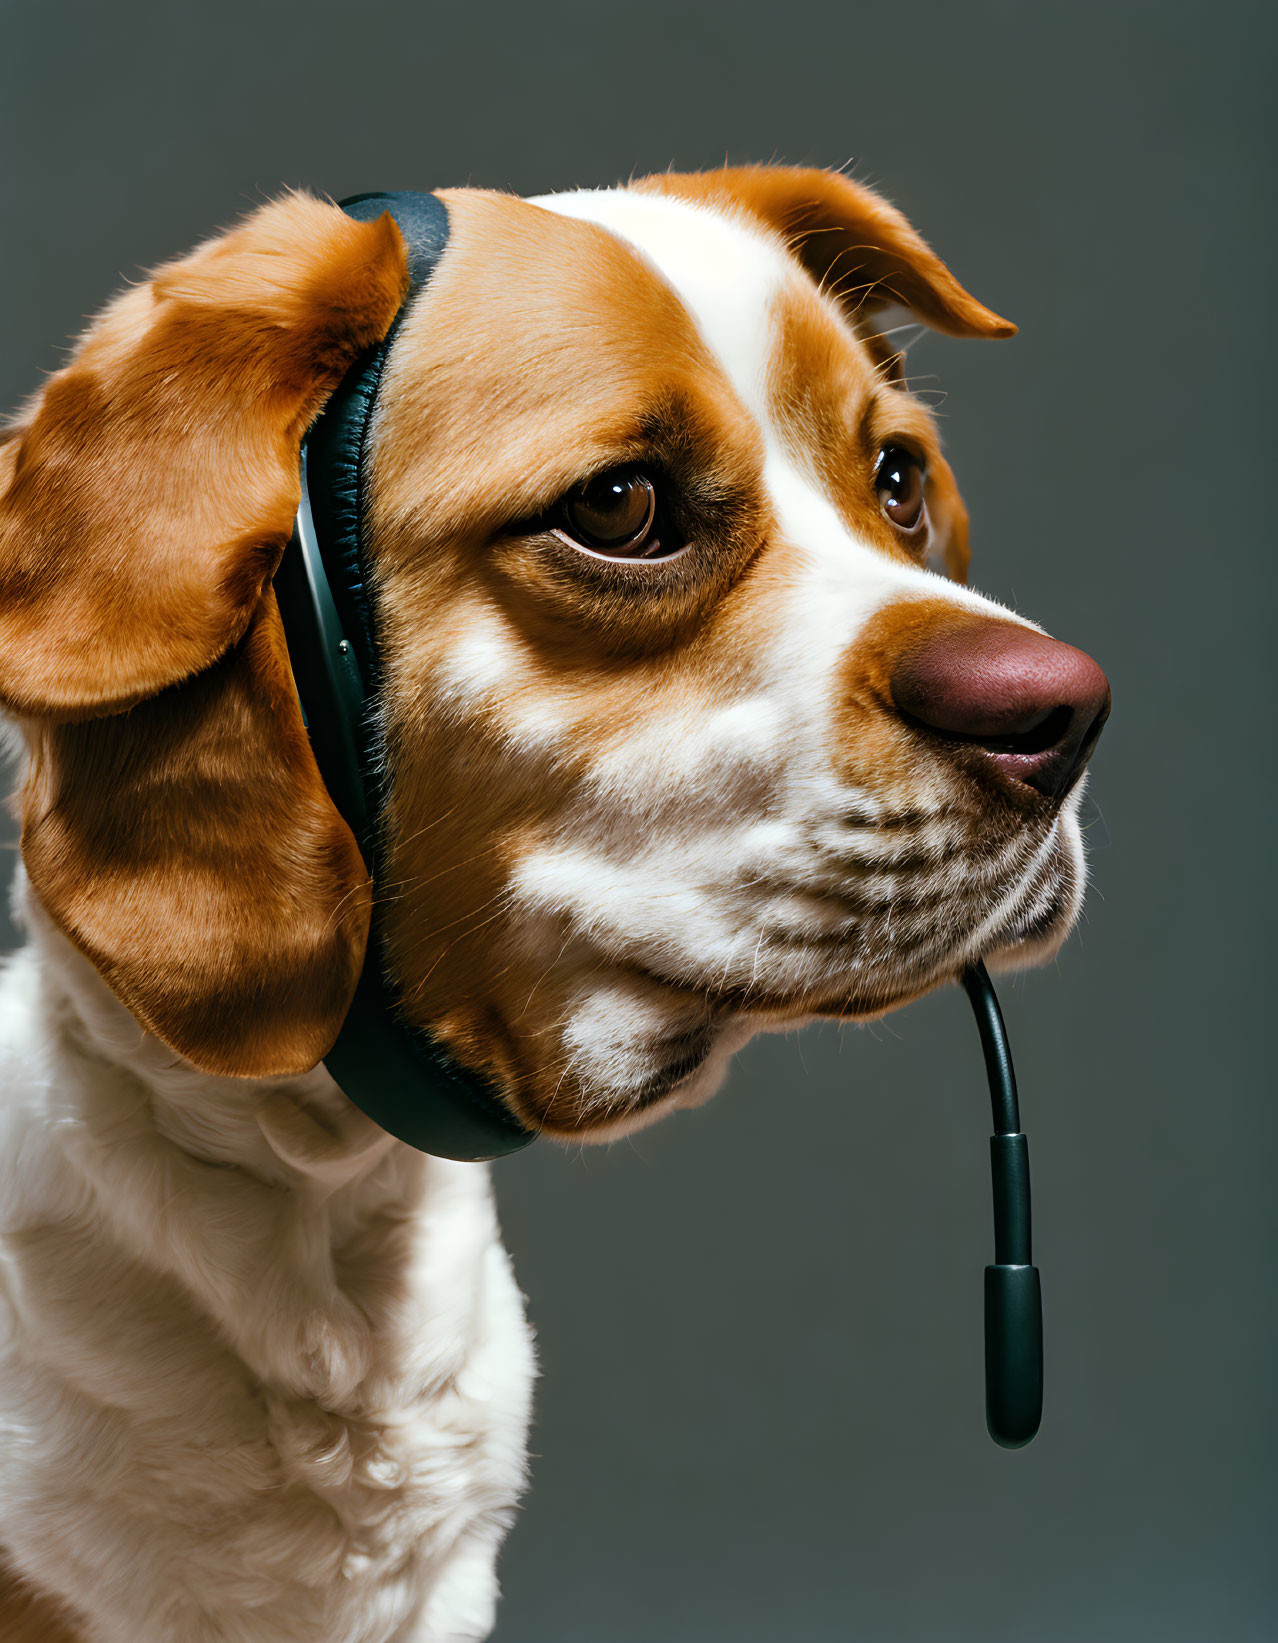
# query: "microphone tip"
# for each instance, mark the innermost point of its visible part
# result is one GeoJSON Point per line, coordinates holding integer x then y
{"type": "Point", "coordinates": [1013, 1354]}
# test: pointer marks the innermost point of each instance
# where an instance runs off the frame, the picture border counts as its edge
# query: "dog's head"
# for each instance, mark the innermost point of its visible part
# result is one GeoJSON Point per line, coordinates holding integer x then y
{"type": "Point", "coordinates": [684, 738]}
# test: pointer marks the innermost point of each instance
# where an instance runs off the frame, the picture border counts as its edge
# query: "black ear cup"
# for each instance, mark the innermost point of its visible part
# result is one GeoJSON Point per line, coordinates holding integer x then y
{"type": "Point", "coordinates": [337, 445]}
{"type": "Point", "coordinates": [335, 472]}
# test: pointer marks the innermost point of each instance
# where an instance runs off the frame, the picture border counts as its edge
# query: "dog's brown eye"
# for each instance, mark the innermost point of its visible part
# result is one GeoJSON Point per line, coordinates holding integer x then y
{"type": "Point", "coordinates": [898, 479]}
{"type": "Point", "coordinates": [614, 514]}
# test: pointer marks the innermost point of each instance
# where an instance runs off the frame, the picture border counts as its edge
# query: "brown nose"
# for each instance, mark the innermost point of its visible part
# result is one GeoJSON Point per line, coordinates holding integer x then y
{"type": "Point", "coordinates": [1034, 705]}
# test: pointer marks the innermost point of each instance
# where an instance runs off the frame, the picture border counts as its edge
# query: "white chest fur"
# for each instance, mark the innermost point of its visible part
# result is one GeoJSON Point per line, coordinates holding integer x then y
{"type": "Point", "coordinates": [264, 1373]}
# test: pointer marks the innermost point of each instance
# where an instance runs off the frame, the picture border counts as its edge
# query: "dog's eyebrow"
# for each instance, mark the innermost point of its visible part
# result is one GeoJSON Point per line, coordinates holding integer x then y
{"type": "Point", "coordinates": [895, 412]}
{"type": "Point", "coordinates": [825, 391]}
{"type": "Point", "coordinates": [866, 436]}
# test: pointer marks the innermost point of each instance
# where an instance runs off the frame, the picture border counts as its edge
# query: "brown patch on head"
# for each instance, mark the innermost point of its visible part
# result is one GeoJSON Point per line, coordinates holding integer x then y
{"type": "Point", "coordinates": [188, 847]}
{"type": "Point", "coordinates": [851, 241]}
{"type": "Point", "coordinates": [592, 362]}
{"type": "Point", "coordinates": [949, 518]}
{"type": "Point", "coordinates": [841, 402]}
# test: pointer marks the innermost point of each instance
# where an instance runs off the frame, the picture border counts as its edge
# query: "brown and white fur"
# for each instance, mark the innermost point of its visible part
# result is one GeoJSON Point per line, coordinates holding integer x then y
{"type": "Point", "coordinates": [264, 1373]}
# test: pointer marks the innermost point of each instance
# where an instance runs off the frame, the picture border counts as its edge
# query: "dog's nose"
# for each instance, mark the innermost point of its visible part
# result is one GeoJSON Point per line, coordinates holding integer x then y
{"type": "Point", "coordinates": [1034, 705]}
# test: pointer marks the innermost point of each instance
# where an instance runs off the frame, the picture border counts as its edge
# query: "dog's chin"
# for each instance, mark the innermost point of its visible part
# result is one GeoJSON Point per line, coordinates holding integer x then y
{"type": "Point", "coordinates": [638, 1049]}
{"type": "Point", "coordinates": [676, 1086]}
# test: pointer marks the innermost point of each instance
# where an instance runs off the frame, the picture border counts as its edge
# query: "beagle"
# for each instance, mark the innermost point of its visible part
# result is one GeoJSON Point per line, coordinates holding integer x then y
{"type": "Point", "coordinates": [684, 738]}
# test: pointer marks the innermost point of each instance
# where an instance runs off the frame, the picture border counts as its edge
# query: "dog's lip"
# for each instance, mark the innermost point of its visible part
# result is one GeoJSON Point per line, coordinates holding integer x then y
{"type": "Point", "coordinates": [850, 1004]}
{"type": "Point", "coordinates": [798, 1005]}
{"type": "Point", "coordinates": [680, 1055]}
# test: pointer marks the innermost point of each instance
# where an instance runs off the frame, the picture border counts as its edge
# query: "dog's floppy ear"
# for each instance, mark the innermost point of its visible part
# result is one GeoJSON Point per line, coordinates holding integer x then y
{"type": "Point", "coordinates": [156, 477]}
{"type": "Point", "coordinates": [175, 825]}
{"type": "Point", "coordinates": [851, 241]}
{"type": "Point", "coordinates": [189, 849]}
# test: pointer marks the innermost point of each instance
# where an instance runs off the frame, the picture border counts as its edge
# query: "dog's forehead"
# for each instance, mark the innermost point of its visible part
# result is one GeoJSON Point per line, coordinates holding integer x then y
{"type": "Point", "coordinates": [542, 349]}
{"type": "Point", "coordinates": [798, 367]}
{"type": "Point", "coordinates": [728, 275]}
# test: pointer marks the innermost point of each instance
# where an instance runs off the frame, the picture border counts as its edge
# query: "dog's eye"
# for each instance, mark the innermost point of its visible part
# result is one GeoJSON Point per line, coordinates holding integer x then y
{"type": "Point", "coordinates": [898, 479]}
{"type": "Point", "coordinates": [614, 514]}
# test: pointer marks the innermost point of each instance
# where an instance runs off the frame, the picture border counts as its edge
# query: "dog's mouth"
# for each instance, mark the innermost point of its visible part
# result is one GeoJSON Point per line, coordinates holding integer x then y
{"type": "Point", "coordinates": [641, 1038]}
{"type": "Point", "coordinates": [882, 958]}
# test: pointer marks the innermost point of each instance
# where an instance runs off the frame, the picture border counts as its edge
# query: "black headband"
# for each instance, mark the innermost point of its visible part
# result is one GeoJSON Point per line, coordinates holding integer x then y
{"type": "Point", "coordinates": [402, 1077]}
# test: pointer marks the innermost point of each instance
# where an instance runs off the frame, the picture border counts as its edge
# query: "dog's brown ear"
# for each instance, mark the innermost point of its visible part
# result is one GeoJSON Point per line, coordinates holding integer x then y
{"type": "Point", "coordinates": [851, 241]}
{"type": "Point", "coordinates": [189, 849]}
{"type": "Point", "coordinates": [152, 487]}
{"type": "Point", "coordinates": [175, 825]}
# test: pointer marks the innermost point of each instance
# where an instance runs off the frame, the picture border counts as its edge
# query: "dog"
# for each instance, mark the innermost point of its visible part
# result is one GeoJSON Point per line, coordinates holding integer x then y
{"type": "Point", "coordinates": [692, 729]}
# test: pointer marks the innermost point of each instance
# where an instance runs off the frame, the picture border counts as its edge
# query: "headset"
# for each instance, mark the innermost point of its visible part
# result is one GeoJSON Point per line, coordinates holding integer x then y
{"type": "Point", "coordinates": [402, 1077]}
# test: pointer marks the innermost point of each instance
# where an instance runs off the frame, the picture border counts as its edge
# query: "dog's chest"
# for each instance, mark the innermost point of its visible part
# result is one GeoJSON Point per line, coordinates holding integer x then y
{"type": "Point", "coordinates": [282, 1400]}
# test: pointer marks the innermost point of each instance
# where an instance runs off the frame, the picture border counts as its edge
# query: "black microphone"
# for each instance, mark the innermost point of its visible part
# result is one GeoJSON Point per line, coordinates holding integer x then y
{"type": "Point", "coordinates": [1013, 1296]}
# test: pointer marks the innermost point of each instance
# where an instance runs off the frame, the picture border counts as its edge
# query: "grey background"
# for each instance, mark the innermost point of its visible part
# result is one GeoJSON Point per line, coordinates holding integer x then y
{"type": "Point", "coordinates": [761, 1409]}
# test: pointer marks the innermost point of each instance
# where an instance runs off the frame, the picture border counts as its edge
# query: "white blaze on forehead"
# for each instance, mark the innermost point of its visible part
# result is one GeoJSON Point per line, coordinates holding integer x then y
{"type": "Point", "coordinates": [726, 275]}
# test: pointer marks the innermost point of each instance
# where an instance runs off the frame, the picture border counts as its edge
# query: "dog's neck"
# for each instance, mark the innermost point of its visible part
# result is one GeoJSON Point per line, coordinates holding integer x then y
{"type": "Point", "coordinates": [245, 1189]}
{"type": "Point", "coordinates": [299, 1133]}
